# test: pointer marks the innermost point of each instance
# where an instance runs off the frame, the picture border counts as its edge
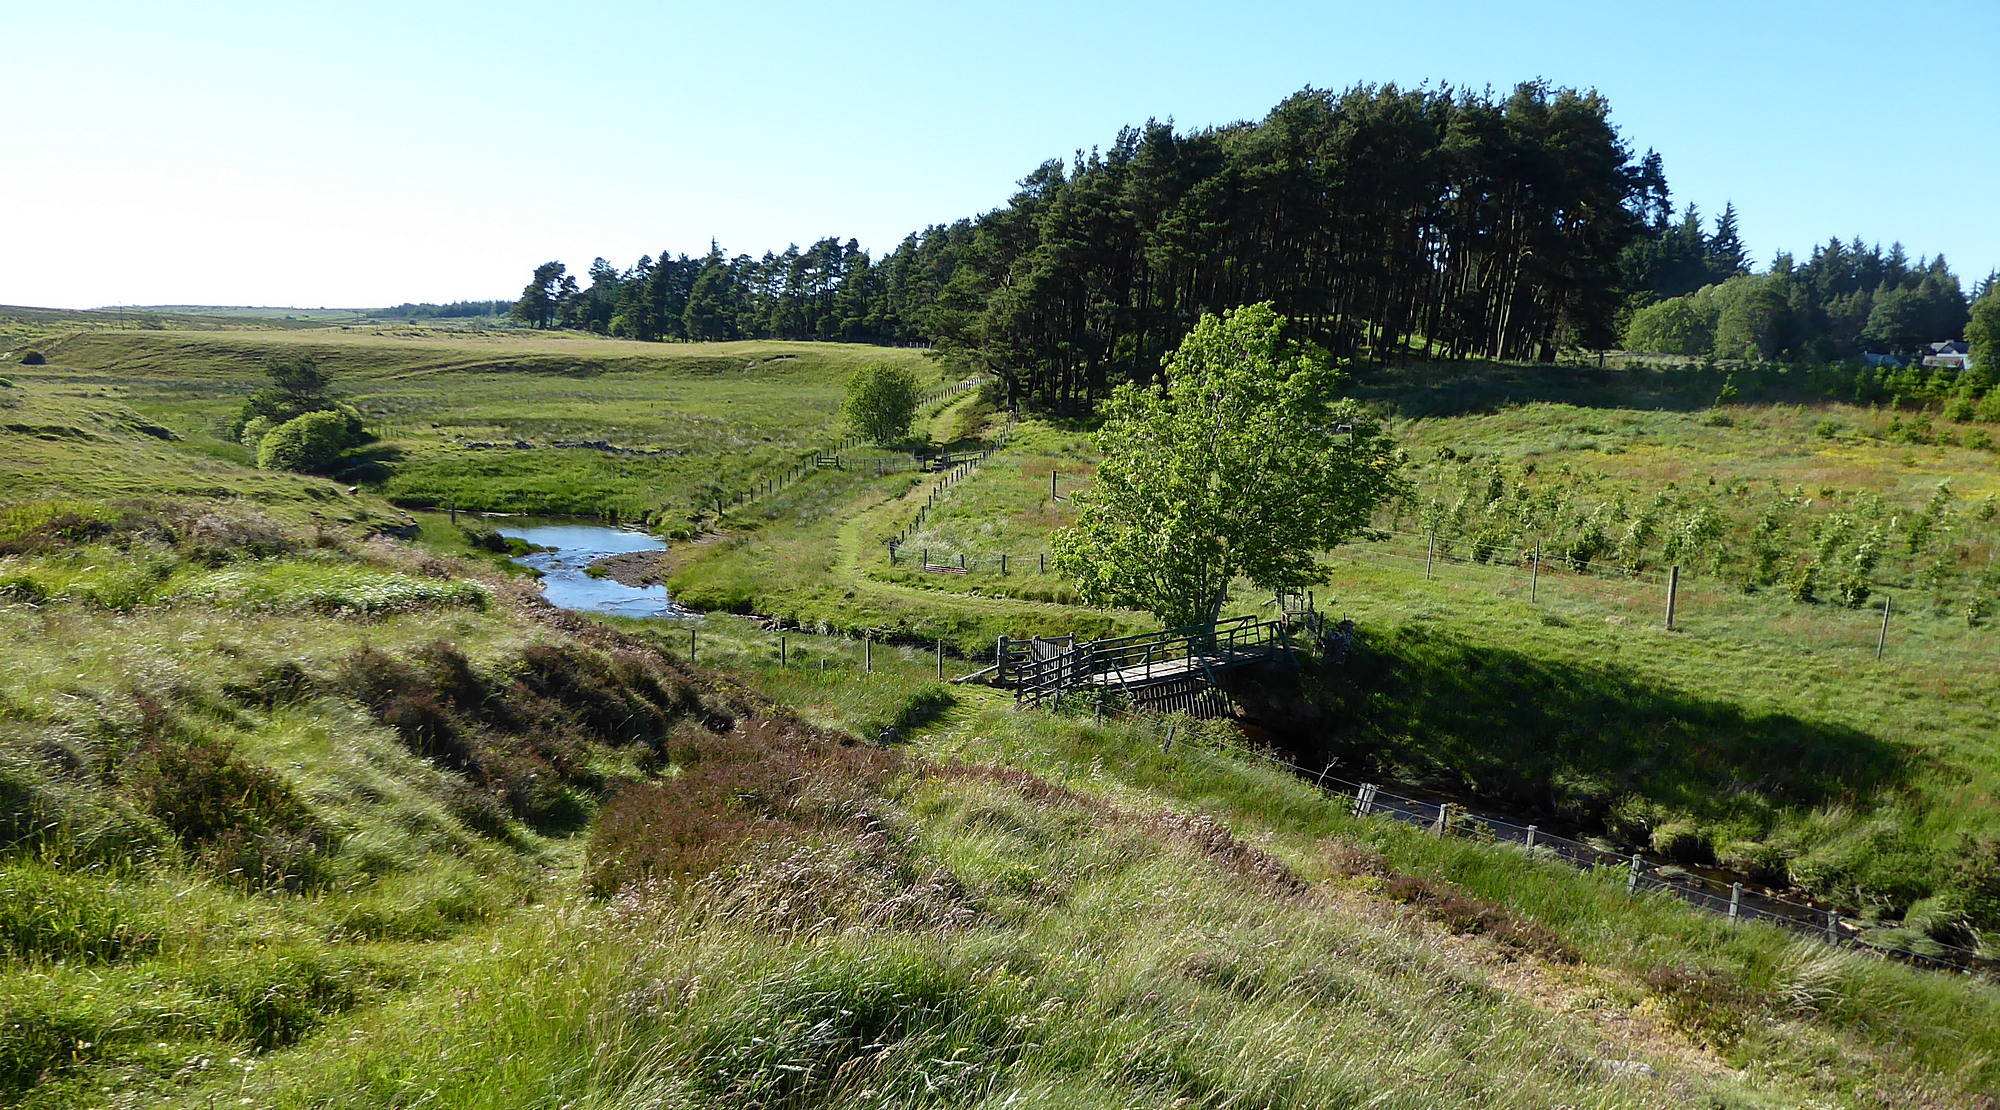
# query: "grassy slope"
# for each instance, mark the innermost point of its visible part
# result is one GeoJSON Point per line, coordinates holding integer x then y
{"type": "Point", "coordinates": [1083, 939]}
{"type": "Point", "coordinates": [723, 413]}
{"type": "Point", "coordinates": [1763, 731]}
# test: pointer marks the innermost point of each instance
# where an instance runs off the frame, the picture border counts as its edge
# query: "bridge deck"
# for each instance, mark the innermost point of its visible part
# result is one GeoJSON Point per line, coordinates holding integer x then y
{"type": "Point", "coordinates": [1173, 670]}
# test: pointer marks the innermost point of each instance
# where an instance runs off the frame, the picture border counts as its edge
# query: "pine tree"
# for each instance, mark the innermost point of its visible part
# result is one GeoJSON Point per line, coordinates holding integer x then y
{"type": "Point", "coordinates": [1725, 256]}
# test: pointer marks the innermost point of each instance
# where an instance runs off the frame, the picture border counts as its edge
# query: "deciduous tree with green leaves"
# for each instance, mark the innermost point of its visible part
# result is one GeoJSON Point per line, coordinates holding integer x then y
{"type": "Point", "coordinates": [881, 403]}
{"type": "Point", "coordinates": [1244, 462]}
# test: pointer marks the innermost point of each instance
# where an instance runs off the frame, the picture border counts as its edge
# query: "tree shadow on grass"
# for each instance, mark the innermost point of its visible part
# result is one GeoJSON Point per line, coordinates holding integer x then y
{"type": "Point", "coordinates": [1571, 740]}
{"type": "Point", "coordinates": [1484, 387]}
{"type": "Point", "coordinates": [369, 465]}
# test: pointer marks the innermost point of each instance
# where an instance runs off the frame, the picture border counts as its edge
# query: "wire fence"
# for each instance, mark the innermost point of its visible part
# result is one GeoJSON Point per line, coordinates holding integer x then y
{"type": "Point", "coordinates": [1643, 595]}
{"type": "Point", "coordinates": [1730, 898]}
{"type": "Point", "coordinates": [831, 457]}
{"type": "Point", "coordinates": [959, 468]}
{"type": "Point", "coordinates": [793, 646]}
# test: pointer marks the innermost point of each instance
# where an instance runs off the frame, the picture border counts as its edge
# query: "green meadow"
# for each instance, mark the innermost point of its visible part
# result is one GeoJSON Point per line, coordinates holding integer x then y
{"type": "Point", "coordinates": [695, 420]}
{"type": "Point", "coordinates": [298, 813]}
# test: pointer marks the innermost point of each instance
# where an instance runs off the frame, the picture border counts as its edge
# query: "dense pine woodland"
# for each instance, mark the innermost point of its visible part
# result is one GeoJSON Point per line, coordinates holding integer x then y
{"type": "Point", "coordinates": [1386, 223]}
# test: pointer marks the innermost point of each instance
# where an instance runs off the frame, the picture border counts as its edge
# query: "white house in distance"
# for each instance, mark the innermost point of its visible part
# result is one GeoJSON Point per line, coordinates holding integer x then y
{"type": "Point", "coordinates": [1950, 354]}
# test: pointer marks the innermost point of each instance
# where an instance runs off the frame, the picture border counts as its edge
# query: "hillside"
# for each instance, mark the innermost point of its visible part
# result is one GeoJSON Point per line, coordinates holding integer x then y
{"type": "Point", "coordinates": [303, 818]}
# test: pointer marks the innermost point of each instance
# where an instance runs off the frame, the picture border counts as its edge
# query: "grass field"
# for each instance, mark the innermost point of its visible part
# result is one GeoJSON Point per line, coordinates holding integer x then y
{"type": "Point", "coordinates": [1762, 734]}
{"type": "Point", "coordinates": [298, 818]}
{"type": "Point", "coordinates": [711, 417]}
{"type": "Point", "coordinates": [1000, 909]}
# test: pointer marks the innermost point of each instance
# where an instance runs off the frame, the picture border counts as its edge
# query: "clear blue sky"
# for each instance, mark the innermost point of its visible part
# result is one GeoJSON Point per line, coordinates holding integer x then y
{"type": "Point", "coordinates": [364, 154]}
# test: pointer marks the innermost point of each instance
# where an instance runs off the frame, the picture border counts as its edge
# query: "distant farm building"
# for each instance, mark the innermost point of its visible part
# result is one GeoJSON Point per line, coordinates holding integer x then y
{"type": "Point", "coordinates": [1950, 355]}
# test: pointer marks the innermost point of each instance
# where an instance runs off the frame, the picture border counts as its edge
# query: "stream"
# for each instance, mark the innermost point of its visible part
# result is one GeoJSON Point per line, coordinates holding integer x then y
{"type": "Point", "coordinates": [572, 546]}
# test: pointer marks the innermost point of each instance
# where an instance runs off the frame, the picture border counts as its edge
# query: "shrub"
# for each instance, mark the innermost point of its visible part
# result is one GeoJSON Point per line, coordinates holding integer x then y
{"type": "Point", "coordinates": [309, 443]}
{"type": "Point", "coordinates": [243, 820]}
{"type": "Point", "coordinates": [524, 738]}
{"type": "Point", "coordinates": [219, 535]}
{"type": "Point", "coordinates": [254, 431]}
{"type": "Point", "coordinates": [33, 358]}
{"type": "Point", "coordinates": [881, 403]}
{"type": "Point", "coordinates": [768, 780]}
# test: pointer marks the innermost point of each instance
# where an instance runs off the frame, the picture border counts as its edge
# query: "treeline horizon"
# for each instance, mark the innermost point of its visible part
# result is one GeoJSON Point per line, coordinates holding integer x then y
{"type": "Point", "coordinates": [1385, 223]}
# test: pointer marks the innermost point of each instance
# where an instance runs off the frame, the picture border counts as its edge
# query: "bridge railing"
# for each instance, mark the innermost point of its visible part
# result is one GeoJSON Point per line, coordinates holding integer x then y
{"type": "Point", "coordinates": [1135, 660]}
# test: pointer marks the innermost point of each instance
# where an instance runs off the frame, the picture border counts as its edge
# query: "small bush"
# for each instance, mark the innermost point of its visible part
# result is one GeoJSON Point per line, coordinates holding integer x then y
{"type": "Point", "coordinates": [33, 358]}
{"type": "Point", "coordinates": [280, 683]}
{"type": "Point", "coordinates": [523, 738]}
{"type": "Point", "coordinates": [216, 536]}
{"type": "Point", "coordinates": [309, 443]}
{"type": "Point", "coordinates": [881, 404]}
{"type": "Point", "coordinates": [254, 431]}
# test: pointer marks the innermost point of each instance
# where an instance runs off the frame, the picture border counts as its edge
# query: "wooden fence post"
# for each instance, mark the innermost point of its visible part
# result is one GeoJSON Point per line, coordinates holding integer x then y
{"type": "Point", "coordinates": [868, 652]}
{"type": "Point", "coordinates": [1532, 830]}
{"type": "Point", "coordinates": [1735, 900]}
{"type": "Point", "coordinates": [1043, 556]}
{"type": "Point", "coordinates": [1535, 582]}
{"type": "Point", "coordinates": [1632, 880]}
{"type": "Point", "coordinates": [940, 661]}
{"type": "Point", "coordinates": [1443, 826]}
{"type": "Point", "coordinates": [1052, 485]}
{"type": "Point", "coordinates": [1882, 637]}
{"type": "Point", "coordinates": [1673, 593]}
{"type": "Point", "coordinates": [1003, 563]}
{"type": "Point", "coordinates": [690, 645]}
{"type": "Point", "coordinates": [783, 661]}
{"type": "Point", "coordinates": [1430, 553]}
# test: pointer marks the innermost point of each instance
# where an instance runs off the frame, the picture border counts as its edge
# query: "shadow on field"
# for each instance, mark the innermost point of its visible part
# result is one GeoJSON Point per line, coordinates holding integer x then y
{"type": "Point", "coordinates": [369, 465]}
{"type": "Point", "coordinates": [1470, 388]}
{"type": "Point", "coordinates": [1571, 740]}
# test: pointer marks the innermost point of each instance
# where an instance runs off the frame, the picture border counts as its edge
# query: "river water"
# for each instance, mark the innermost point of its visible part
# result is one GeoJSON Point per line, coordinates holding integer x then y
{"type": "Point", "coordinates": [574, 545]}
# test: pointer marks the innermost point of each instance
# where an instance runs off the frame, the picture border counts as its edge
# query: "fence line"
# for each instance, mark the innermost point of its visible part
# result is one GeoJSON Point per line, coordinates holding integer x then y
{"type": "Point", "coordinates": [1734, 901]}
{"type": "Point", "coordinates": [959, 467]}
{"type": "Point", "coordinates": [820, 458]}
